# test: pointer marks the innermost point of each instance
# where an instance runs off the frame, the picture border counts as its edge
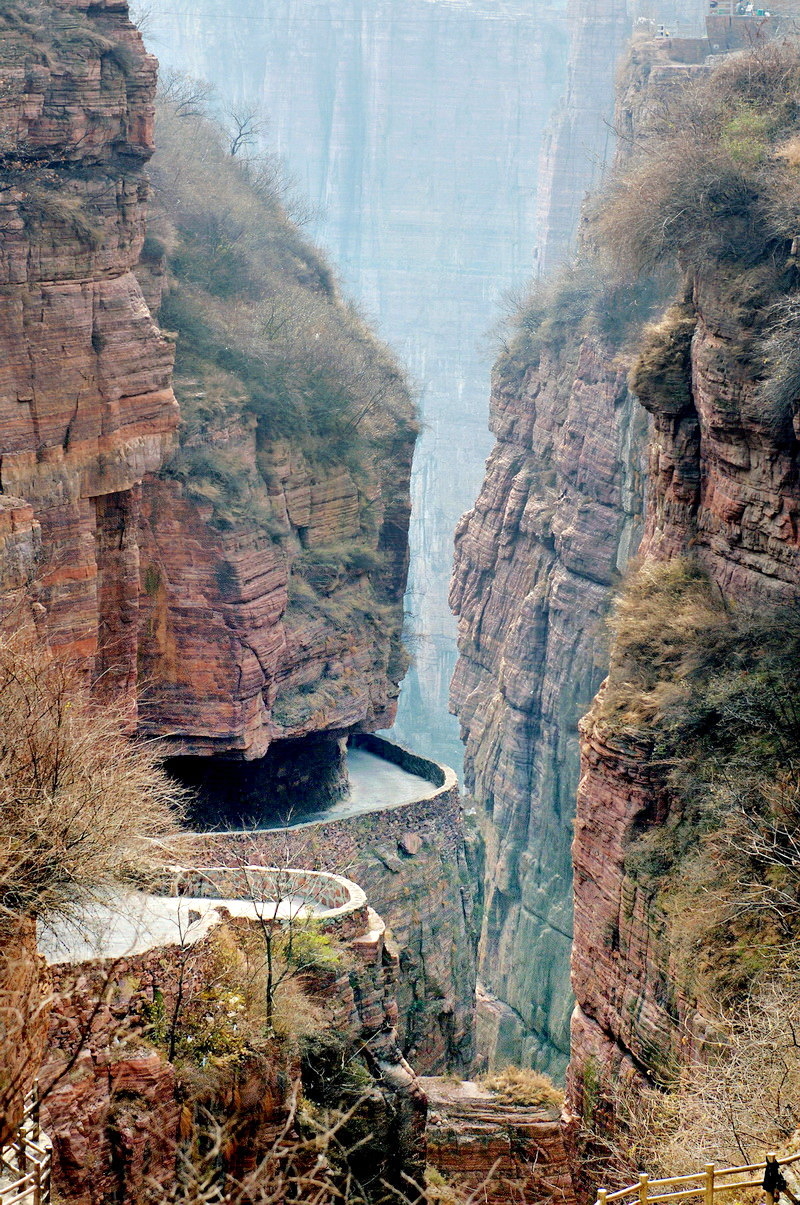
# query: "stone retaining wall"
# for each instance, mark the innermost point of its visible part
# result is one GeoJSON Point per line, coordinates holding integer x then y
{"type": "Point", "coordinates": [340, 897]}
{"type": "Point", "coordinates": [414, 861]}
{"type": "Point", "coordinates": [412, 763]}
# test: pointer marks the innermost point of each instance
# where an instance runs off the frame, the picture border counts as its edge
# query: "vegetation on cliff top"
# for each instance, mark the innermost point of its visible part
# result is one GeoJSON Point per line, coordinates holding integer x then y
{"type": "Point", "coordinates": [713, 689]}
{"type": "Point", "coordinates": [523, 1086]}
{"type": "Point", "coordinates": [711, 188]}
{"type": "Point", "coordinates": [258, 313]}
{"type": "Point", "coordinates": [713, 179]}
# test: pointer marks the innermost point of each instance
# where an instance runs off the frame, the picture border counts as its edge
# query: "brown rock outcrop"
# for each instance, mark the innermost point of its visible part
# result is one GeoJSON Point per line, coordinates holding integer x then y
{"type": "Point", "coordinates": [234, 659]}
{"type": "Point", "coordinates": [501, 1152]}
{"type": "Point", "coordinates": [24, 1009]}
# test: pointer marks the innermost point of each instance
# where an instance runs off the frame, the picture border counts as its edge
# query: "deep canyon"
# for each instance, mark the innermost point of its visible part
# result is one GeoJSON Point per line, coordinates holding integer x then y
{"type": "Point", "coordinates": [210, 504]}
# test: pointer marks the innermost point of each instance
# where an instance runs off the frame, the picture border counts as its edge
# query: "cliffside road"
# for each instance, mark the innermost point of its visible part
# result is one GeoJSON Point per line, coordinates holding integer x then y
{"type": "Point", "coordinates": [132, 923]}
{"type": "Point", "coordinates": [376, 785]}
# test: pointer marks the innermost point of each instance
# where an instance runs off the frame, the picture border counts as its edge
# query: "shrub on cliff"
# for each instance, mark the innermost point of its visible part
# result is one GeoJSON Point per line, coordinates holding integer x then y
{"type": "Point", "coordinates": [713, 689]}
{"type": "Point", "coordinates": [583, 298]}
{"type": "Point", "coordinates": [78, 798]}
{"type": "Point", "coordinates": [711, 183]}
{"type": "Point", "coordinates": [728, 1109]}
{"type": "Point", "coordinates": [250, 296]}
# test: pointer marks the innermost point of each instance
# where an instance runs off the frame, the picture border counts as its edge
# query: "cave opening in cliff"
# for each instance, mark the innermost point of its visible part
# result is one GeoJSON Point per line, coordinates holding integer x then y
{"type": "Point", "coordinates": [294, 778]}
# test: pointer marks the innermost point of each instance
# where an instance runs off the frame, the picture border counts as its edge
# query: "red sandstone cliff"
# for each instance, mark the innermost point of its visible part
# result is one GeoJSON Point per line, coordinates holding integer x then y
{"type": "Point", "coordinates": [535, 561]}
{"type": "Point", "coordinates": [220, 636]}
{"type": "Point", "coordinates": [86, 403]}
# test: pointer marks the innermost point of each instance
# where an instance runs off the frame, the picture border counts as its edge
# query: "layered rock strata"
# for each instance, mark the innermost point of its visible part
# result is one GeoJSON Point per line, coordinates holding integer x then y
{"type": "Point", "coordinates": [85, 398]}
{"type": "Point", "coordinates": [535, 561]}
{"type": "Point", "coordinates": [419, 173]}
{"type": "Point", "coordinates": [579, 140]}
{"type": "Point", "coordinates": [723, 488]}
{"type": "Point", "coordinates": [24, 1008]}
{"type": "Point", "coordinates": [500, 1151]}
{"type": "Point", "coordinates": [220, 636]}
{"type": "Point", "coordinates": [233, 661]}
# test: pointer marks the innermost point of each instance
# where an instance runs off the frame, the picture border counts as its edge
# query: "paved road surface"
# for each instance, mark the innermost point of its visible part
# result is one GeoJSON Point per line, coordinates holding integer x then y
{"type": "Point", "coordinates": [132, 923]}
{"type": "Point", "coordinates": [375, 784]}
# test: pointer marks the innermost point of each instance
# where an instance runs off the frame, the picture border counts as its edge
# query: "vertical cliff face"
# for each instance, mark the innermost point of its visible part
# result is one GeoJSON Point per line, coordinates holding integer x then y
{"type": "Point", "coordinates": [535, 560]}
{"type": "Point", "coordinates": [722, 491]}
{"type": "Point", "coordinates": [413, 129]}
{"type": "Point", "coordinates": [580, 138]}
{"type": "Point", "coordinates": [85, 398]}
{"type": "Point", "coordinates": [277, 536]}
{"type": "Point", "coordinates": [555, 522]}
{"type": "Point", "coordinates": [253, 591]}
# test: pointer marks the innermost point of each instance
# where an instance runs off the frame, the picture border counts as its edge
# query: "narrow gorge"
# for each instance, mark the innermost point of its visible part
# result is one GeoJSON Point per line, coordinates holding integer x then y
{"type": "Point", "coordinates": [257, 941]}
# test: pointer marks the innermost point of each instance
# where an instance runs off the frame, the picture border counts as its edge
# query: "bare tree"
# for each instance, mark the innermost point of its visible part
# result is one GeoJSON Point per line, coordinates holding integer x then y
{"type": "Point", "coordinates": [244, 128]}
{"type": "Point", "coordinates": [77, 801]}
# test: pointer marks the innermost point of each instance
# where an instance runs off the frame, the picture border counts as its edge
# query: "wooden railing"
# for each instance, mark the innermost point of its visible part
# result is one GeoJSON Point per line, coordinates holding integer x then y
{"type": "Point", "coordinates": [708, 1183]}
{"type": "Point", "coordinates": [26, 1164]}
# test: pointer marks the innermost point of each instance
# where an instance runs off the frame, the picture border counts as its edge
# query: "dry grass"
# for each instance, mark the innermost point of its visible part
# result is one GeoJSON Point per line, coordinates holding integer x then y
{"type": "Point", "coordinates": [661, 375]}
{"type": "Point", "coordinates": [77, 797]}
{"type": "Point", "coordinates": [523, 1086]}
{"type": "Point", "coordinates": [789, 151]}
{"type": "Point", "coordinates": [712, 180]}
{"type": "Point", "coordinates": [712, 690]}
{"type": "Point", "coordinates": [663, 620]}
{"type": "Point", "coordinates": [729, 1109]}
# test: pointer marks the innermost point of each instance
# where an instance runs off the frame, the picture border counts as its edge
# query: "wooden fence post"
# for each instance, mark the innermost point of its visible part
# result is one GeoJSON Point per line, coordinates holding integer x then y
{"type": "Point", "coordinates": [709, 1192]}
{"type": "Point", "coordinates": [771, 1157]}
{"type": "Point", "coordinates": [643, 1180]}
{"type": "Point", "coordinates": [601, 1196]}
